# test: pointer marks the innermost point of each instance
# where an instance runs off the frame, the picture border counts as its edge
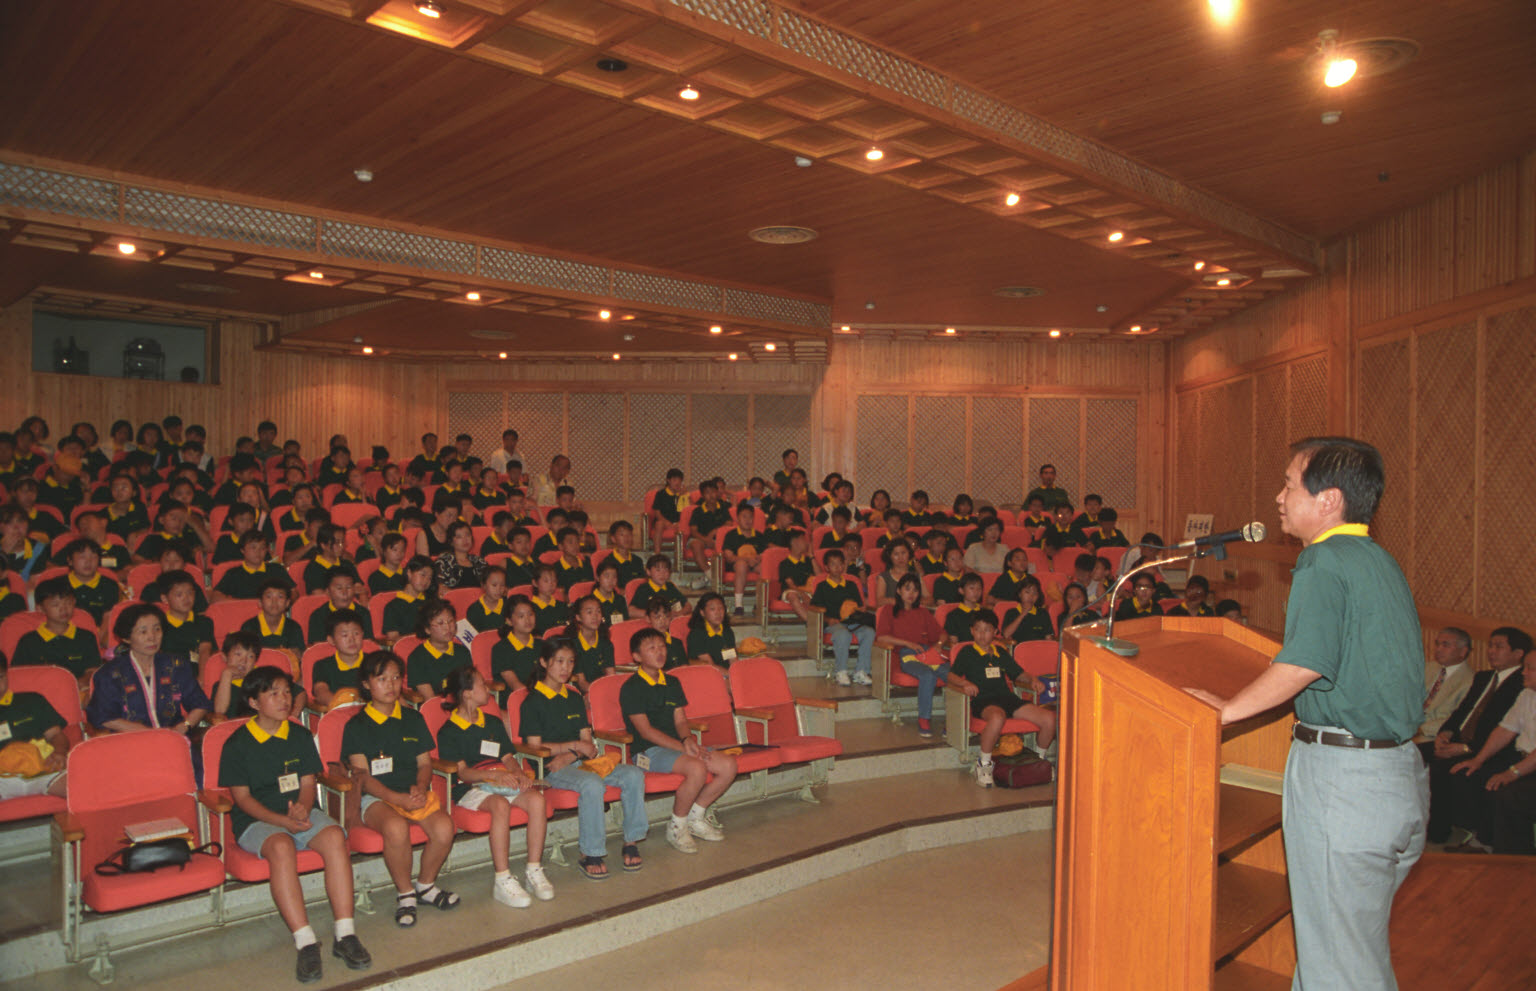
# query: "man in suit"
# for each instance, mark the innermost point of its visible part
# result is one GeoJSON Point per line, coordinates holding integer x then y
{"type": "Point", "coordinates": [1446, 680]}
{"type": "Point", "coordinates": [1496, 799]}
{"type": "Point", "coordinates": [1466, 730]}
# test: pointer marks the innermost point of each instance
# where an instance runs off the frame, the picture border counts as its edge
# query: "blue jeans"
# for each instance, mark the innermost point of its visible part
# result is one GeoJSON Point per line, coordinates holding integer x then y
{"type": "Point", "coordinates": [927, 679]}
{"type": "Point", "coordinates": [630, 781]}
{"type": "Point", "coordinates": [843, 636]}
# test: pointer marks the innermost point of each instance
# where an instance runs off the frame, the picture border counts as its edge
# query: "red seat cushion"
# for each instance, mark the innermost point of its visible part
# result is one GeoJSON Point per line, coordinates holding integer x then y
{"type": "Point", "coordinates": [1009, 725]}
{"type": "Point", "coordinates": [799, 749]}
{"type": "Point", "coordinates": [29, 807]}
{"type": "Point", "coordinates": [656, 782]}
{"type": "Point", "coordinates": [758, 760]}
{"type": "Point", "coordinates": [113, 894]}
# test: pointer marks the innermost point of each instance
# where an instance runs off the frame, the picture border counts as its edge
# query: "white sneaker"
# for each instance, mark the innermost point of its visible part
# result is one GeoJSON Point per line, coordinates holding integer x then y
{"type": "Point", "coordinates": [984, 774]}
{"type": "Point", "coordinates": [538, 883]}
{"type": "Point", "coordinates": [860, 678]}
{"type": "Point", "coordinates": [704, 829]}
{"type": "Point", "coordinates": [843, 679]}
{"type": "Point", "coordinates": [507, 891]}
{"type": "Point", "coordinates": [681, 838]}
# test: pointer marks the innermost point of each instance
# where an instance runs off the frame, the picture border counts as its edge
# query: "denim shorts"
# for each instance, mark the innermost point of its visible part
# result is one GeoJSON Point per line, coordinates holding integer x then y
{"type": "Point", "coordinates": [257, 833]}
{"type": "Point", "coordinates": [661, 759]}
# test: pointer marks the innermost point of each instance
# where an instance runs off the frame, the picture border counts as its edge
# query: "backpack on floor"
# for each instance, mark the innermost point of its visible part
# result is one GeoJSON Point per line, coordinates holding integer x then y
{"type": "Point", "coordinates": [1024, 771]}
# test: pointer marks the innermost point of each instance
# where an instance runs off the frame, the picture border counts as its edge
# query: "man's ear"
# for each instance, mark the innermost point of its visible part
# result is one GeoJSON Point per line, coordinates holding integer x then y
{"type": "Point", "coordinates": [1331, 501]}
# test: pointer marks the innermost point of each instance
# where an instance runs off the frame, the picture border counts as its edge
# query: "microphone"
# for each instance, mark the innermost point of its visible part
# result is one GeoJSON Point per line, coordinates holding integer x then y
{"type": "Point", "coordinates": [1253, 533]}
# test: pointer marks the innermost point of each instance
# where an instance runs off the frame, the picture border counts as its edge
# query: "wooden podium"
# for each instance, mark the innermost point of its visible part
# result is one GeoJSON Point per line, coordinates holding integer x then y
{"type": "Point", "coordinates": [1170, 871]}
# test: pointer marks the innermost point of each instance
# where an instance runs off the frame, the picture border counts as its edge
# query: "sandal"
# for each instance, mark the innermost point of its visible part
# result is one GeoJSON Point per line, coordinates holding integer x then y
{"type": "Point", "coordinates": [438, 898]}
{"type": "Point", "coordinates": [632, 859]}
{"type": "Point", "coordinates": [405, 915]}
{"type": "Point", "coordinates": [593, 868]}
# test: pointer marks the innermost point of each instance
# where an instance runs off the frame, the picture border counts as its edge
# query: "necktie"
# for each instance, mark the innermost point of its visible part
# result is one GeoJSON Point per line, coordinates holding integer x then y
{"type": "Point", "coordinates": [1440, 680]}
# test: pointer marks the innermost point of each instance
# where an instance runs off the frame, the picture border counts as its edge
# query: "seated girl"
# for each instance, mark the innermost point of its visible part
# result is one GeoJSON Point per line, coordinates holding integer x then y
{"type": "Point", "coordinates": [911, 631]}
{"type": "Point", "coordinates": [710, 637]}
{"type": "Point", "coordinates": [1028, 618]}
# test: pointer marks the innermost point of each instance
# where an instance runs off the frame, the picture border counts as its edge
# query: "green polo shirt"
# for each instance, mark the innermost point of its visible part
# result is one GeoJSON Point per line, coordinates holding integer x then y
{"type": "Point", "coordinates": [239, 706]}
{"type": "Point", "coordinates": [402, 736]}
{"type": "Point", "coordinates": [1006, 588]}
{"type": "Point", "coordinates": [630, 567]}
{"type": "Point", "coordinates": [329, 672]}
{"type": "Point", "coordinates": [975, 666]}
{"type": "Point", "coordinates": [187, 636]}
{"type": "Point", "coordinates": [929, 565]}
{"type": "Point", "coordinates": [677, 654]}
{"type": "Point", "coordinates": [10, 602]}
{"type": "Point", "coordinates": [240, 582]}
{"type": "Point", "coordinates": [794, 574]}
{"type": "Point", "coordinates": [668, 504]}
{"type": "Point", "coordinates": [1035, 626]}
{"type": "Point", "coordinates": [492, 545]}
{"type": "Point", "coordinates": [668, 593]}
{"type": "Point", "coordinates": [593, 659]}
{"type": "Point", "coordinates": [1204, 609]}
{"type": "Point", "coordinates": [1050, 497]}
{"type": "Point", "coordinates": [656, 700]}
{"type": "Point", "coordinates": [152, 546]}
{"type": "Point", "coordinates": [385, 580]}
{"type": "Point", "coordinates": [317, 574]}
{"type": "Point", "coordinates": [429, 666]}
{"type": "Point", "coordinates": [568, 574]}
{"type": "Point", "coordinates": [831, 597]}
{"type": "Point", "coordinates": [284, 636]}
{"type": "Point", "coordinates": [715, 642]}
{"type": "Point", "coordinates": [777, 537]}
{"type": "Point", "coordinates": [460, 740]}
{"type": "Point", "coordinates": [615, 608]}
{"type": "Point", "coordinates": [74, 649]}
{"type": "Point", "coordinates": [518, 572]}
{"type": "Point", "coordinates": [258, 760]}
{"type": "Point", "coordinates": [553, 717]}
{"type": "Point", "coordinates": [548, 615]}
{"type": "Point", "coordinates": [96, 596]}
{"type": "Point", "coordinates": [736, 540]}
{"type": "Point", "coordinates": [946, 588]}
{"type": "Point", "coordinates": [1099, 539]}
{"type": "Point", "coordinates": [1351, 618]}
{"type": "Point", "coordinates": [26, 716]}
{"type": "Point", "coordinates": [400, 613]}
{"type": "Point", "coordinates": [519, 658]}
{"type": "Point", "coordinates": [485, 620]}
{"type": "Point", "coordinates": [320, 621]}
{"type": "Point", "coordinates": [958, 623]}
{"type": "Point", "coordinates": [226, 548]}
{"type": "Point", "coordinates": [707, 521]}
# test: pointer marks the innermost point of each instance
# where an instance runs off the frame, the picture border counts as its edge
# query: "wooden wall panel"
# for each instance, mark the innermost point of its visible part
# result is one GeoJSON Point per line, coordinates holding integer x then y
{"type": "Point", "coordinates": [482, 415]}
{"type": "Point", "coordinates": [1445, 466]}
{"type": "Point", "coordinates": [1055, 437]}
{"type": "Point", "coordinates": [1386, 420]}
{"type": "Point", "coordinates": [596, 436]}
{"type": "Point", "coordinates": [938, 446]}
{"type": "Point", "coordinates": [539, 419]}
{"type": "Point", "coordinates": [779, 422]}
{"type": "Point", "coordinates": [1505, 472]}
{"type": "Point", "coordinates": [721, 440]}
{"type": "Point", "coordinates": [657, 441]}
{"type": "Point", "coordinates": [883, 445]}
{"type": "Point", "coordinates": [997, 449]}
{"type": "Point", "coordinates": [1110, 463]}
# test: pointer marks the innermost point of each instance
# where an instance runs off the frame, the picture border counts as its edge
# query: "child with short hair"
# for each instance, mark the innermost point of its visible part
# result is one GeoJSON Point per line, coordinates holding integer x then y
{"type": "Point", "coordinates": [931, 561]}
{"type": "Point", "coordinates": [520, 562]}
{"type": "Point", "coordinates": [28, 716]}
{"type": "Point", "coordinates": [389, 749]}
{"type": "Point", "coordinates": [330, 557]}
{"type": "Point", "coordinates": [608, 594]}
{"type": "Point", "coordinates": [667, 505]}
{"type": "Point", "coordinates": [710, 637]}
{"type": "Point", "coordinates": [708, 516]}
{"type": "Point", "coordinates": [496, 541]}
{"type": "Point", "coordinates": [389, 576]}
{"type": "Point", "coordinates": [1015, 570]}
{"type": "Point", "coordinates": [988, 675]}
{"type": "Point", "coordinates": [957, 625]}
{"type": "Point", "coordinates": [660, 618]}
{"type": "Point", "coordinates": [56, 640]}
{"type": "Point", "coordinates": [551, 611]}
{"type": "Point", "coordinates": [621, 541]}
{"type": "Point", "coordinates": [400, 613]}
{"type": "Point", "coordinates": [489, 778]}
{"type": "Point", "coordinates": [1106, 535]}
{"type": "Point", "coordinates": [340, 589]}
{"type": "Point", "coordinates": [832, 595]}
{"type": "Point", "coordinates": [270, 768]}
{"type": "Point", "coordinates": [272, 626]}
{"type": "Point", "coordinates": [946, 587]}
{"type": "Point", "coordinates": [573, 564]}
{"type": "Point", "coordinates": [917, 510]}
{"type": "Point", "coordinates": [1196, 590]}
{"type": "Point", "coordinates": [658, 585]}
{"type": "Point", "coordinates": [438, 653]}
{"type": "Point", "coordinates": [652, 704]}
{"type": "Point", "coordinates": [1142, 601]}
{"type": "Point", "coordinates": [740, 552]}
{"type": "Point", "coordinates": [1028, 618]}
{"type": "Point", "coordinates": [340, 670]}
{"type": "Point", "coordinates": [94, 592]}
{"type": "Point", "coordinates": [186, 633]}
{"type": "Point", "coordinates": [244, 581]}
{"type": "Point", "coordinates": [795, 573]}
{"type": "Point", "coordinates": [488, 611]}
{"type": "Point", "coordinates": [588, 631]}
{"type": "Point", "coordinates": [229, 699]}
{"type": "Point", "coordinates": [238, 521]}
{"type": "Point", "coordinates": [515, 656]}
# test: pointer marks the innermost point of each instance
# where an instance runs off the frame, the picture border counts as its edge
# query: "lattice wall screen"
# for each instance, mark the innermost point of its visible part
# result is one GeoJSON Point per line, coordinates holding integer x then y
{"type": "Point", "coordinates": [881, 446]}
{"type": "Point", "coordinates": [1272, 438]}
{"type": "Point", "coordinates": [1109, 460]}
{"type": "Point", "coordinates": [1445, 416]}
{"type": "Point", "coordinates": [657, 440]}
{"type": "Point", "coordinates": [938, 429]}
{"type": "Point", "coordinates": [1054, 438]}
{"type": "Point", "coordinates": [997, 449]}
{"type": "Point", "coordinates": [1385, 417]}
{"type": "Point", "coordinates": [778, 423]}
{"type": "Point", "coordinates": [1509, 450]}
{"type": "Point", "coordinates": [720, 438]}
{"type": "Point", "coordinates": [539, 419]}
{"type": "Point", "coordinates": [1308, 401]}
{"type": "Point", "coordinates": [596, 432]}
{"type": "Point", "coordinates": [479, 414]}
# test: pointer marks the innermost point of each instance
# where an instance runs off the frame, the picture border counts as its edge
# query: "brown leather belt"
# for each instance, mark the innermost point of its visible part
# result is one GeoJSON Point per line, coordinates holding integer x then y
{"type": "Point", "coordinates": [1307, 734]}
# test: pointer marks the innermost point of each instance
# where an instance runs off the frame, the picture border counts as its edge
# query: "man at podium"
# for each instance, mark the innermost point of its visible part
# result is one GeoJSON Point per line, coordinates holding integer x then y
{"type": "Point", "coordinates": [1356, 795]}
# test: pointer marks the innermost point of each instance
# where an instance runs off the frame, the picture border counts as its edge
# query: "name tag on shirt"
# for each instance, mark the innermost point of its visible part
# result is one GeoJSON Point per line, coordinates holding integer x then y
{"type": "Point", "coordinates": [381, 765]}
{"type": "Point", "coordinates": [287, 782]}
{"type": "Point", "coordinates": [728, 654]}
{"type": "Point", "coordinates": [617, 617]}
{"type": "Point", "coordinates": [5, 731]}
{"type": "Point", "coordinates": [993, 671]}
{"type": "Point", "coordinates": [490, 748]}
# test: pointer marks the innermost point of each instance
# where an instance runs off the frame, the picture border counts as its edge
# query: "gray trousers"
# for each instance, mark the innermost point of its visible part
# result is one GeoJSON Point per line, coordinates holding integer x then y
{"type": "Point", "coordinates": [1354, 825]}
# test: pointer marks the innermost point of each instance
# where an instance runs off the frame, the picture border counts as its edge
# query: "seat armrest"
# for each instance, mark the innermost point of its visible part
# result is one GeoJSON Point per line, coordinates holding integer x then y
{"type": "Point", "coordinates": [412, 696]}
{"type": "Point", "coordinates": [215, 801]}
{"type": "Point", "coordinates": [748, 712]}
{"type": "Point", "coordinates": [445, 766]}
{"type": "Point", "coordinates": [819, 610]}
{"type": "Point", "coordinates": [529, 750]}
{"type": "Point", "coordinates": [817, 703]}
{"type": "Point", "coordinates": [335, 782]}
{"type": "Point", "coordinates": [68, 828]}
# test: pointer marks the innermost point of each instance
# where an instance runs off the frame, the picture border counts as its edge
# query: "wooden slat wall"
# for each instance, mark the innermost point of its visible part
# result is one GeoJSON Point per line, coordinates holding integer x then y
{"type": "Point", "coordinates": [1421, 339]}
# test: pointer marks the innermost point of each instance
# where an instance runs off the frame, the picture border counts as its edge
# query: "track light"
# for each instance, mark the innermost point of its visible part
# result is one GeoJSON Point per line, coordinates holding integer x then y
{"type": "Point", "coordinates": [1012, 199]}
{"type": "Point", "coordinates": [428, 8]}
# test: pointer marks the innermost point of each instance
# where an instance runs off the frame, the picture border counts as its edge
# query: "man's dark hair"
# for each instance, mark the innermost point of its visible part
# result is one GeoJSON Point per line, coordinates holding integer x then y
{"type": "Point", "coordinates": [1108, 515]}
{"type": "Point", "coordinates": [1517, 638]}
{"type": "Point", "coordinates": [1351, 466]}
{"type": "Point", "coordinates": [263, 679]}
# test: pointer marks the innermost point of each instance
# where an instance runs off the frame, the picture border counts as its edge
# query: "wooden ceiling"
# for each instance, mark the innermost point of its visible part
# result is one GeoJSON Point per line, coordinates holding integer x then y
{"type": "Point", "coordinates": [467, 135]}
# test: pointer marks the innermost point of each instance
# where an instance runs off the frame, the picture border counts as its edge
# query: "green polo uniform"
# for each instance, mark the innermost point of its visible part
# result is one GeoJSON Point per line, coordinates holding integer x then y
{"type": "Point", "coordinates": [958, 623]}
{"type": "Point", "coordinates": [74, 649]}
{"type": "Point", "coordinates": [429, 666]}
{"type": "Point", "coordinates": [657, 701]}
{"type": "Point", "coordinates": [1204, 609]}
{"type": "Point", "coordinates": [1113, 539]}
{"type": "Point", "coordinates": [1068, 536]}
{"type": "Point", "coordinates": [615, 608]}
{"type": "Point", "coordinates": [320, 621]}
{"type": "Point", "coordinates": [384, 580]}
{"type": "Point", "coordinates": [548, 615]}
{"type": "Point", "coordinates": [460, 740]}
{"type": "Point", "coordinates": [520, 658]}
{"type": "Point", "coordinates": [239, 705]}
{"type": "Point", "coordinates": [519, 572]}
{"type": "Point", "coordinates": [317, 574]}
{"type": "Point", "coordinates": [677, 654]}
{"type": "Point", "coordinates": [553, 717]}
{"type": "Point", "coordinates": [1035, 626]}
{"type": "Point", "coordinates": [668, 593]}
{"type": "Point", "coordinates": [187, 636]}
{"type": "Point", "coordinates": [1128, 609]}
{"type": "Point", "coordinates": [630, 567]}
{"type": "Point", "coordinates": [568, 574]}
{"type": "Point", "coordinates": [795, 574]}
{"type": "Point", "coordinates": [736, 540]}
{"type": "Point", "coordinates": [285, 636]}
{"type": "Point", "coordinates": [300, 541]}
{"type": "Point", "coordinates": [64, 497]}
{"type": "Point", "coordinates": [593, 660]}
{"type": "Point", "coordinates": [544, 545]}
{"type": "Point", "coordinates": [946, 588]}
{"type": "Point", "coordinates": [493, 545]}
{"type": "Point", "coordinates": [831, 598]}
{"type": "Point", "coordinates": [668, 504]}
{"type": "Point", "coordinates": [1050, 497]}
{"type": "Point", "coordinates": [26, 716]}
{"type": "Point", "coordinates": [152, 546]}
{"type": "Point", "coordinates": [329, 672]}
{"type": "Point", "coordinates": [911, 519]}
{"type": "Point", "coordinates": [44, 523]}
{"type": "Point", "coordinates": [400, 613]}
{"type": "Point", "coordinates": [777, 537]}
{"type": "Point", "coordinates": [258, 760]}
{"type": "Point", "coordinates": [483, 619]}
{"type": "Point", "coordinates": [10, 602]}
{"type": "Point", "coordinates": [240, 582]}
{"type": "Point", "coordinates": [226, 548]}
{"type": "Point", "coordinates": [715, 642]}
{"type": "Point", "coordinates": [96, 596]}
{"type": "Point", "coordinates": [705, 521]}
{"type": "Point", "coordinates": [401, 737]}
{"type": "Point", "coordinates": [987, 672]}
{"type": "Point", "coordinates": [1006, 588]}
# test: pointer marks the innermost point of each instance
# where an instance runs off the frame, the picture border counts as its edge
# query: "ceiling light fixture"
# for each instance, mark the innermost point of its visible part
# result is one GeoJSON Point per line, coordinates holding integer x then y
{"type": "Point", "coordinates": [1223, 11]}
{"type": "Point", "coordinates": [1337, 68]}
{"type": "Point", "coordinates": [316, 274]}
{"type": "Point", "coordinates": [1135, 328]}
{"type": "Point", "coordinates": [1055, 332]}
{"type": "Point", "coordinates": [127, 247]}
{"type": "Point", "coordinates": [615, 356]}
{"type": "Point", "coordinates": [1116, 236]}
{"type": "Point", "coordinates": [770, 346]}
{"type": "Point", "coordinates": [1199, 266]}
{"type": "Point", "coordinates": [428, 8]}
{"type": "Point", "coordinates": [874, 154]}
{"type": "Point", "coordinates": [716, 329]}
{"type": "Point", "coordinates": [612, 64]}
{"type": "Point", "coordinates": [688, 93]}
{"type": "Point", "coordinates": [846, 329]}
{"type": "Point", "coordinates": [627, 316]}
{"type": "Point", "coordinates": [367, 349]}
{"type": "Point", "coordinates": [363, 175]}
{"type": "Point", "coordinates": [603, 314]}
{"type": "Point", "coordinates": [949, 330]}
{"type": "Point", "coordinates": [1223, 282]}
{"type": "Point", "coordinates": [731, 356]}
{"type": "Point", "coordinates": [502, 356]}
{"type": "Point", "coordinates": [1012, 199]}
{"type": "Point", "coordinates": [472, 296]}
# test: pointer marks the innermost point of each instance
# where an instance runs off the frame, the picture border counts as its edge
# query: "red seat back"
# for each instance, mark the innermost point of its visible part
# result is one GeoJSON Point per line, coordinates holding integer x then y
{"type": "Point", "coordinates": [59, 687]}
{"type": "Point", "coordinates": [709, 700]}
{"type": "Point", "coordinates": [229, 615]}
{"type": "Point", "coordinates": [213, 668]}
{"type": "Point", "coordinates": [760, 683]}
{"type": "Point", "coordinates": [1037, 657]}
{"type": "Point", "coordinates": [619, 635]}
{"type": "Point", "coordinates": [120, 779]}
{"type": "Point", "coordinates": [603, 703]}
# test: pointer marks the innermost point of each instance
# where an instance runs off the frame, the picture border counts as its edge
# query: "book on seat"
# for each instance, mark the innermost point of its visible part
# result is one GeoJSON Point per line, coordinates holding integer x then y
{"type": "Point", "coordinates": [155, 829]}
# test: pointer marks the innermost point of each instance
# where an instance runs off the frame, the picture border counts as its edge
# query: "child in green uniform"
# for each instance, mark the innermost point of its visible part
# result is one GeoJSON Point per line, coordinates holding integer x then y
{"type": "Point", "coordinates": [516, 654]}
{"type": "Point", "coordinates": [572, 565]}
{"type": "Point", "coordinates": [186, 633]}
{"type": "Point", "coordinates": [490, 778]}
{"type": "Point", "coordinates": [660, 618]}
{"type": "Point", "coordinates": [239, 521]}
{"type": "Point", "coordinates": [340, 593]}
{"type": "Point", "coordinates": [330, 543]}
{"type": "Point", "coordinates": [946, 587]}
{"type": "Point", "coordinates": [1142, 602]}
{"type": "Point", "coordinates": [389, 749]}
{"type": "Point", "coordinates": [245, 580]}
{"type": "Point", "coordinates": [708, 516]}
{"type": "Point", "coordinates": [667, 505]}
{"type": "Point", "coordinates": [1015, 570]}
{"type": "Point", "coordinates": [489, 611]}
{"type": "Point", "coordinates": [957, 625]}
{"type": "Point", "coordinates": [551, 612]}
{"type": "Point", "coordinates": [987, 675]}
{"type": "Point", "coordinates": [401, 612]}
{"type": "Point", "coordinates": [95, 592]}
{"type": "Point", "coordinates": [24, 717]}
{"type": "Point", "coordinates": [240, 651]}
{"type": "Point", "coordinates": [519, 563]}
{"type": "Point", "coordinates": [588, 632]}
{"type": "Point", "coordinates": [710, 637]}
{"type": "Point", "coordinates": [741, 550]}
{"type": "Point", "coordinates": [57, 640]}
{"type": "Point", "coordinates": [389, 576]}
{"type": "Point", "coordinates": [272, 626]}
{"type": "Point", "coordinates": [653, 704]}
{"type": "Point", "coordinates": [658, 585]}
{"type": "Point", "coordinates": [796, 571]}
{"type": "Point", "coordinates": [621, 538]}
{"type": "Point", "coordinates": [831, 596]}
{"type": "Point", "coordinates": [1196, 591]}
{"type": "Point", "coordinates": [609, 596]}
{"type": "Point", "coordinates": [438, 653]}
{"type": "Point", "coordinates": [340, 670]}
{"type": "Point", "coordinates": [1028, 619]}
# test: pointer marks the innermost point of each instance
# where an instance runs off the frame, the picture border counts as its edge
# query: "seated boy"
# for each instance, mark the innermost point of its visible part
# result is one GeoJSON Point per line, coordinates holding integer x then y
{"type": "Point", "coordinates": [523, 512]}
{"type": "Point", "coordinates": [240, 520]}
{"type": "Point", "coordinates": [57, 640]}
{"type": "Point", "coordinates": [372, 530]}
{"type": "Point", "coordinates": [658, 585]}
{"type": "Point", "coordinates": [186, 633]}
{"type": "Point", "coordinates": [240, 651]}
{"type": "Point", "coordinates": [339, 670]}
{"type": "Point", "coordinates": [246, 579]}
{"type": "Point", "coordinates": [495, 542]}
{"type": "Point", "coordinates": [573, 565]}
{"type": "Point", "coordinates": [666, 506]}
{"type": "Point", "coordinates": [1015, 570]}
{"type": "Point", "coordinates": [92, 525]}
{"type": "Point", "coordinates": [1035, 519]}
{"type": "Point", "coordinates": [94, 592]}
{"type": "Point", "coordinates": [957, 625]}
{"type": "Point", "coordinates": [660, 618]}
{"type": "Point", "coordinates": [27, 716]}
{"type": "Point", "coordinates": [1106, 535]}
{"type": "Point", "coordinates": [835, 596]}
{"type": "Point", "coordinates": [946, 587]}
{"type": "Point", "coordinates": [341, 595]}
{"type": "Point", "coordinates": [988, 675]}
{"type": "Point", "coordinates": [841, 519]}
{"type": "Point", "coordinates": [520, 563]}
{"type": "Point", "coordinates": [740, 553]}
{"type": "Point", "coordinates": [1196, 590]}
{"type": "Point", "coordinates": [305, 545]}
{"type": "Point", "coordinates": [917, 510]}
{"type": "Point", "coordinates": [781, 525]}
{"type": "Point", "coordinates": [389, 576]}
{"type": "Point", "coordinates": [170, 528]}
{"type": "Point", "coordinates": [1059, 526]}
{"type": "Point", "coordinates": [1088, 520]}
{"type": "Point", "coordinates": [330, 558]}
{"type": "Point", "coordinates": [272, 626]}
{"type": "Point", "coordinates": [269, 767]}
{"type": "Point", "coordinates": [621, 540]}
{"type": "Point", "coordinates": [548, 609]}
{"type": "Point", "coordinates": [895, 528]}
{"type": "Point", "coordinates": [609, 595]}
{"type": "Point", "coordinates": [708, 516]}
{"type": "Point", "coordinates": [555, 520]}
{"type": "Point", "coordinates": [795, 573]}
{"type": "Point", "coordinates": [401, 611]}
{"type": "Point", "coordinates": [931, 562]}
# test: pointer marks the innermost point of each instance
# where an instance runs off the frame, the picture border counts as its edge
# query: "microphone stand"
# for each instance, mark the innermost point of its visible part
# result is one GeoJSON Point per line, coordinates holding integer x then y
{"type": "Point", "coordinates": [1126, 648]}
